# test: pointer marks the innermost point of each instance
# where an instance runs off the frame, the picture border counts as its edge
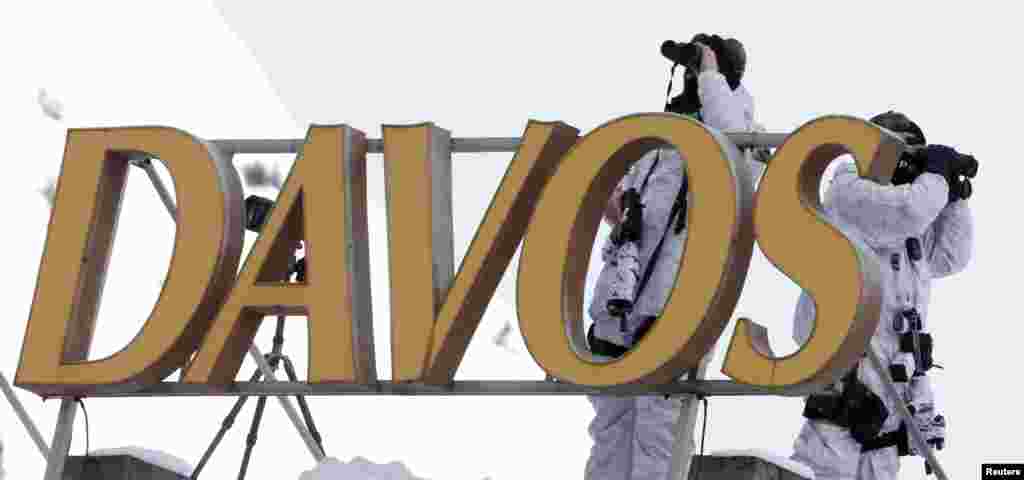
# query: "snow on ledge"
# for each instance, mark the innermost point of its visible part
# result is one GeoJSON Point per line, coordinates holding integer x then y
{"type": "Point", "coordinates": [770, 457]}
{"type": "Point", "coordinates": [358, 469]}
{"type": "Point", "coordinates": [154, 457]}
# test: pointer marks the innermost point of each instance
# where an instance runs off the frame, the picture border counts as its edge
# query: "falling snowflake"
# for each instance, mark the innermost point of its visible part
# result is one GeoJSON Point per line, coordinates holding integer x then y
{"type": "Point", "coordinates": [49, 190]}
{"type": "Point", "coordinates": [258, 175]}
{"type": "Point", "coordinates": [502, 338]}
{"type": "Point", "coordinates": [51, 106]}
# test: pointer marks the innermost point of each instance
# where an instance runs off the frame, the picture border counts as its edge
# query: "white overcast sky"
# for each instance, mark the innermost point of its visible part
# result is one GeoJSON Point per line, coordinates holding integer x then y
{"type": "Point", "coordinates": [236, 69]}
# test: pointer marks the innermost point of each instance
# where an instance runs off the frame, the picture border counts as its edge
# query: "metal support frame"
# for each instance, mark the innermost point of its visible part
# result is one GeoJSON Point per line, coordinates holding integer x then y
{"type": "Point", "coordinates": [19, 410]}
{"type": "Point", "coordinates": [477, 388]}
{"type": "Point", "coordinates": [61, 440]}
{"type": "Point", "coordinates": [271, 386]}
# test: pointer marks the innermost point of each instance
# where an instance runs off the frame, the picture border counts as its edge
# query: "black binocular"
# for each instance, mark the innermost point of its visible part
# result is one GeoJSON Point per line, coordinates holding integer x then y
{"type": "Point", "coordinates": [911, 165]}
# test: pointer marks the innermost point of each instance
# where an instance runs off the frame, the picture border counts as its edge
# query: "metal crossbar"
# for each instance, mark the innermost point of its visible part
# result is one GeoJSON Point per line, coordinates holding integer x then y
{"type": "Point", "coordinates": [458, 145]}
{"type": "Point", "coordinates": [457, 388]}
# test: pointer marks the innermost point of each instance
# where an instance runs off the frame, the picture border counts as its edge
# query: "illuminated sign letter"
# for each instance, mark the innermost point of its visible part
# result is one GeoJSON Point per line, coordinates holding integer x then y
{"type": "Point", "coordinates": [323, 202]}
{"type": "Point", "coordinates": [556, 252]}
{"type": "Point", "coordinates": [77, 253]}
{"type": "Point", "coordinates": [432, 327]}
{"type": "Point", "coordinates": [841, 275]}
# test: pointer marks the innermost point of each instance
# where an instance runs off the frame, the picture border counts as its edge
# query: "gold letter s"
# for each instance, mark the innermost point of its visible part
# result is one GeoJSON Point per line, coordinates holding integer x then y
{"type": "Point", "coordinates": [795, 235]}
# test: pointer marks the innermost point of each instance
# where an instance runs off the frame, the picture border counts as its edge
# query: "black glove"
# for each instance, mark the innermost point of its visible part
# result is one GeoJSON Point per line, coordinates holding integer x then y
{"type": "Point", "coordinates": [960, 190]}
{"type": "Point", "coordinates": [957, 169]}
{"type": "Point", "coordinates": [941, 160]}
{"type": "Point", "coordinates": [965, 168]}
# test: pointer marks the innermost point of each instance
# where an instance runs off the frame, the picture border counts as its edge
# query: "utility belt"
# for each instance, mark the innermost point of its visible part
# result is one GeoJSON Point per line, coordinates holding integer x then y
{"type": "Point", "coordinates": [899, 438]}
{"type": "Point", "coordinates": [855, 408]}
{"type": "Point", "coordinates": [859, 409]}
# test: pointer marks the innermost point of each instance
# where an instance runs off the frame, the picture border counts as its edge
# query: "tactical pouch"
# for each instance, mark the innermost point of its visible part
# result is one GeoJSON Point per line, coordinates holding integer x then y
{"type": "Point", "coordinates": [856, 408]}
{"type": "Point", "coordinates": [899, 373]}
{"type": "Point", "coordinates": [826, 407]}
{"type": "Point", "coordinates": [926, 343]}
{"type": "Point", "coordinates": [603, 347]}
{"type": "Point", "coordinates": [867, 412]}
{"type": "Point", "coordinates": [609, 349]}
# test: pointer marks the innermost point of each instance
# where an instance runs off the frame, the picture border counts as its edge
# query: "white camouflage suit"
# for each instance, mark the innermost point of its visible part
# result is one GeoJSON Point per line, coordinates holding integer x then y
{"type": "Point", "coordinates": [883, 217]}
{"type": "Point", "coordinates": [634, 436]}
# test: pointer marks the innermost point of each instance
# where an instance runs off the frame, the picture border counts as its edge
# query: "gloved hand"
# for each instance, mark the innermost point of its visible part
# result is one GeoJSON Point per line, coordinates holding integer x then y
{"type": "Point", "coordinates": [961, 188]}
{"type": "Point", "coordinates": [933, 428]}
{"type": "Point", "coordinates": [941, 160]}
{"type": "Point", "coordinates": [922, 406]}
{"type": "Point", "coordinates": [960, 168]}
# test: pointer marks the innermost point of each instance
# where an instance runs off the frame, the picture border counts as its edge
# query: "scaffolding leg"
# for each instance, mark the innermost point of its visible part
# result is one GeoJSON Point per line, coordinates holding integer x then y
{"type": "Point", "coordinates": [250, 441]}
{"type": "Point", "coordinates": [61, 440]}
{"type": "Point", "coordinates": [225, 425]}
{"type": "Point", "coordinates": [269, 376]}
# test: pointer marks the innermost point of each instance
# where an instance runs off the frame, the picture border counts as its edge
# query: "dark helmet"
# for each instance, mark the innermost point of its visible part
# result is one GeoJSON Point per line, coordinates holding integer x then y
{"type": "Point", "coordinates": [908, 168]}
{"type": "Point", "coordinates": [900, 123]}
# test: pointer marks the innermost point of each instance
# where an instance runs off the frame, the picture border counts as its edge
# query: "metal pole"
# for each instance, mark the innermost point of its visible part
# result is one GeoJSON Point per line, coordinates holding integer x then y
{"type": "Point", "coordinates": [258, 357]}
{"type": "Point", "coordinates": [61, 440]}
{"type": "Point", "coordinates": [146, 164]}
{"type": "Point", "coordinates": [161, 190]}
{"type": "Point", "coordinates": [458, 145]}
{"type": "Point", "coordinates": [268, 376]}
{"type": "Point", "coordinates": [915, 433]}
{"type": "Point", "coordinates": [19, 410]}
{"type": "Point", "coordinates": [684, 446]}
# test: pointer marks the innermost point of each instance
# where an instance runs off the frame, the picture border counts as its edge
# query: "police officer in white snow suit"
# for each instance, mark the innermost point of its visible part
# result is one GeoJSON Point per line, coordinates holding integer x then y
{"type": "Point", "coordinates": [634, 437]}
{"type": "Point", "coordinates": [921, 228]}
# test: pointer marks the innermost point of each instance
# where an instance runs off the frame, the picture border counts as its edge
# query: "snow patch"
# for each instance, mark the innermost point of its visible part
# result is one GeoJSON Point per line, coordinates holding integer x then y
{"type": "Point", "coordinates": [358, 469]}
{"type": "Point", "coordinates": [770, 457]}
{"type": "Point", "coordinates": [154, 457]}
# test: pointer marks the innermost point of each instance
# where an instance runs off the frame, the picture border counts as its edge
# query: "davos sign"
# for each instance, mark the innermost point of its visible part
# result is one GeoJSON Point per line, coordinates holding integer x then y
{"type": "Point", "coordinates": [550, 198]}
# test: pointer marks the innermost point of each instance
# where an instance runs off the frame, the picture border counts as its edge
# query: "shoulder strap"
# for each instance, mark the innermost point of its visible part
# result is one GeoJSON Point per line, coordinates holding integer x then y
{"type": "Point", "coordinates": [678, 206]}
{"type": "Point", "coordinates": [654, 165]}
